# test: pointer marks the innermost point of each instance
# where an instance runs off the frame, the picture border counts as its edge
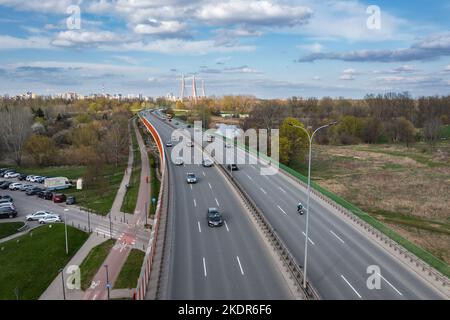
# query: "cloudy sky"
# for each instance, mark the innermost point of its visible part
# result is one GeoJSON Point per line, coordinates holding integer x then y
{"type": "Point", "coordinates": [268, 48]}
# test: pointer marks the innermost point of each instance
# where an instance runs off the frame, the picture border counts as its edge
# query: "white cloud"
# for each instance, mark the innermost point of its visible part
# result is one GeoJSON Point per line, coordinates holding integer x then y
{"type": "Point", "coordinates": [84, 38]}
{"type": "Point", "coordinates": [348, 74]}
{"type": "Point", "coordinates": [54, 6]}
{"type": "Point", "coordinates": [36, 42]}
{"type": "Point", "coordinates": [314, 47]}
{"type": "Point", "coordinates": [155, 27]}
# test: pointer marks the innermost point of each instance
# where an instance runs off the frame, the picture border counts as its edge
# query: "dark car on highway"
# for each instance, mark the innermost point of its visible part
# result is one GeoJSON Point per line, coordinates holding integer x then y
{"type": "Point", "coordinates": [214, 218]}
{"type": "Point", "coordinates": [7, 212]}
{"type": "Point", "coordinates": [59, 198]}
{"type": "Point", "coordinates": [233, 167]}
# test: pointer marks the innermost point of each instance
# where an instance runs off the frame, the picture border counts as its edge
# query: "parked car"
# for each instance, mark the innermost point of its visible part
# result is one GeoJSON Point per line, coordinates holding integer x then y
{"type": "Point", "coordinates": [38, 215]}
{"type": "Point", "coordinates": [5, 185]}
{"type": "Point", "coordinates": [191, 178]}
{"type": "Point", "coordinates": [22, 177]}
{"type": "Point", "coordinates": [33, 191]}
{"type": "Point", "coordinates": [190, 144]}
{"type": "Point", "coordinates": [6, 197]}
{"type": "Point", "coordinates": [10, 175]}
{"type": "Point", "coordinates": [59, 198]}
{"type": "Point", "coordinates": [6, 200]}
{"type": "Point", "coordinates": [7, 205]}
{"type": "Point", "coordinates": [29, 177]}
{"type": "Point", "coordinates": [15, 186]}
{"type": "Point", "coordinates": [39, 179]}
{"type": "Point", "coordinates": [46, 195]}
{"type": "Point", "coordinates": [24, 187]}
{"type": "Point", "coordinates": [214, 218]}
{"type": "Point", "coordinates": [169, 144]}
{"type": "Point", "coordinates": [207, 162]}
{"type": "Point", "coordinates": [4, 172]}
{"type": "Point", "coordinates": [71, 200]}
{"type": "Point", "coordinates": [50, 219]}
{"type": "Point", "coordinates": [8, 213]}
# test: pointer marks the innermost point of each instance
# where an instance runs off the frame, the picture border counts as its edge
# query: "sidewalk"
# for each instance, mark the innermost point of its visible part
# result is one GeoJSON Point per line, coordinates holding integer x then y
{"type": "Point", "coordinates": [119, 254]}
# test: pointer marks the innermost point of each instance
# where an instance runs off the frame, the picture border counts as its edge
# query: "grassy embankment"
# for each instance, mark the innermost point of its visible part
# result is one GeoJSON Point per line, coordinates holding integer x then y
{"type": "Point", "coordinates": [130, 271]}
{"type": "Point", "coordinates": [9, 228]}
{"type": "Point", "coordinates": [129, 201]}
{"type": "Point", "coordinates": [31, 262]}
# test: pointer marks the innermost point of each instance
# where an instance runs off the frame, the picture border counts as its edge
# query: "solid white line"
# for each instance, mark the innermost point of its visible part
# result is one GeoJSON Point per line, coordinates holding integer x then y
{"type": "Point", "coordinates": [282, 210]}
{"type": "Point", "coordinates": [195, 203]}
{"type": "Point", "coordinates": [264, 191]}
{"type": "Point", "coordinates": [190, 186]}
{"type": "Point", "coordinates": [390, 284]}
{"type": "Point", "coordinates": [226, 226]}
{"type": "Point", "coordinates": [217, 201]}
{"type": "Point", "coordinates": [309, 239]}
{"type": "Point", "coordinates": [199, 228]}
{"type": "Point", "coordinates": [282, 189]}
{"type": "Point", "coordinates": [209, 184]}
{"type": "Point", "coordinates": [204, 267]}
{"type": "Point", "coordinates": [204, 174]}
{"type": "Point", "coordinates": [240, 266]}
{"type": "Point", "coordinates": [351, 286]}
{"type": "Point", "coordinates": [334, 234]}
{"type": "Point", "coordinates": [249, 177]}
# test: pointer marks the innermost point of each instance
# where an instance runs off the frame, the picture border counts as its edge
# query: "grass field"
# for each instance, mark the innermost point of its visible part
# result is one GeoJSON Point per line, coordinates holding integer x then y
{"type": "Point", "coordinates": [93, 261]}
{"type": "Point", "coordinates": [408, 189]}
{"type": "Point", "coordinates": [131, 269]}
{"type": "Point", "coordinates": [155, 183]}
{"type": "Point", "coordinates": [9, 228]}
{"type": "Point", "coordinates": [30, 265]}
{"type": "Point", "coordinates": [129, 201]}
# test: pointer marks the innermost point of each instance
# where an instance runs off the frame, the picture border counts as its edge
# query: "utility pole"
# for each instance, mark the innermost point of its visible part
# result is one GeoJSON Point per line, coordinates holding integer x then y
{"type": "Point", "coordinates": [65, 231]}
{"type": "Point", "coordinates": [63, 283]}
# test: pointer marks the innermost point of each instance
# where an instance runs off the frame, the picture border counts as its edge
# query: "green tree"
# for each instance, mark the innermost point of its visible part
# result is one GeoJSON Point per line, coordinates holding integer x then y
{"type": "Point", "coordinates": [41, 149]}
{"type": "Point", "coordinates": [293, 141]}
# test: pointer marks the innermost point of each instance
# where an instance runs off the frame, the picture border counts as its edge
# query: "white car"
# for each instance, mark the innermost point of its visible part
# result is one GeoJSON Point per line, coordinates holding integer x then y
{"type": "Point", "coordinates": [15, 186]}
{"type": "Point", "coordinates": [7, 205]}
{"type": "Point", "coordinates": [190, 144]}
{"type": "Point", "coordinates": [28, 178]}
{"type": "Point", "coordinates": [39, 215]}
{"type": "Point", "coordinates": [35, 178]}
{"type": "Point", "coordinates": [179, 161]}
{"type": "Point", "coordinates": [50, 219]}
{"type": "Point", "coordinates": [207, 162]}
{"type": "Point", "coordinates": [11, 175]}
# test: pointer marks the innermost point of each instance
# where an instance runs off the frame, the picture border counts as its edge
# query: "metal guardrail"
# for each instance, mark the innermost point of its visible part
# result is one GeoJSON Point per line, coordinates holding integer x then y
{"type": "Point", "coordinates": [403, 252]}
{"type": "Point", "coordinates": [288, 258]}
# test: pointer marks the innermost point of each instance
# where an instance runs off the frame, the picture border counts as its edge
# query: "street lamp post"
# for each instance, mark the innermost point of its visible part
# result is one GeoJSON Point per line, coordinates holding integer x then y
{"type": "Point", "coordinates": [310, 138]}
{"type": "Point", "coordinates": [63, 283]}
{"type": "Point", "coordinates": [65, 230]}
{"type": "Point", "coordinates": [107, 280]}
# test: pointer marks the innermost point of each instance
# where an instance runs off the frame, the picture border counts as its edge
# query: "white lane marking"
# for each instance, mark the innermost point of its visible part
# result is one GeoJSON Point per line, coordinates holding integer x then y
{"type": "Point", "coordinates": [351, 286]}
{"type": "Point", "coordinates": [390, 284]}
{"type": "Point", "coordinates": [94, 297]}
{"type": "Point", "coordinates": [217, 201]}
{"type": "Point", "coordinates": [240, 266]}
{"type": "Point", "coordinates": [249, 177]}
{"type": "Point", "coordinates": [282, 190]}
{"type": "Point", "coordinates": [209, 184]}
{"type": "Point", "coordinates": [334, 234]}
{"type": "Point", "coordinates": [226, 226]}
{"type": "Point", "coordinates": [195, 203]}
{"type": "Point", "coordinates": [190, 186]}
{"type": "Point", "coordinates": [199, 228]}
{"type": "Point", "coordinates": [204, 267]}
{"type": "Point", "coordinates": [204, 174]}
{"type": "Point", "coordinates": [264, 191]}
{"type": "Point", "coordinates": [282, 210]}
{"type": "Point", "coordinates": [309, 239]}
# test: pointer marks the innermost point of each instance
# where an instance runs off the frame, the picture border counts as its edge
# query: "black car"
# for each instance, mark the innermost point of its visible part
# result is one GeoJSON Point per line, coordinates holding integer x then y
{"type": "Point", "coordinates": [5, 185]}
{"type": "Point", "coordinates": [2, 174]}
{"type": "Point", "coordinates": [7, 212]}
{"type": "Point", "coordinates": [22, 177]}
{"type": "Point", "coordinates": [214, 218]}
{"type": "Point", "coordinates": [71, 200]}
{"type": "Point", "coordinates": [233, 167]}
{"type": "Point", "coordinates": [7, 197]}
{"type": "Point", "coordinates": [33, 191]}
{"type": "Point", "coordinates": [45, 194]}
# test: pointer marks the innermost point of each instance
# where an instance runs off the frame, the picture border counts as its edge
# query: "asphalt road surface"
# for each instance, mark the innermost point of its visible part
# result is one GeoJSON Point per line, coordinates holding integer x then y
{"type": "Point", "coordinates": [230, 262]}
{"type": "Point", "coordinates": [338, 254]}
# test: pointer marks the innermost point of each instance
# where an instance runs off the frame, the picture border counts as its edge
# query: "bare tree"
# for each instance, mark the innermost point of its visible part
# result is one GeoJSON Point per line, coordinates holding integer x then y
{"type": "Point", "coordinates": [15, 128]}
{"type": "Point", "coordinates": [431, 130]}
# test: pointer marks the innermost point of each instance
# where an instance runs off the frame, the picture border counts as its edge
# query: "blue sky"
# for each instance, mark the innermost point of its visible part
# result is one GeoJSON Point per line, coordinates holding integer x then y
{"type": "Point", "coordinates": [267, 48]}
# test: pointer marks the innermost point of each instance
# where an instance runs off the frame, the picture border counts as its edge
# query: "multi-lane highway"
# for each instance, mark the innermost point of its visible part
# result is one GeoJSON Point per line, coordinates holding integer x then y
{"type": "Point", "coordinates": [339, 254]}
{"type": "Point", "coordinates": [231, 262]}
